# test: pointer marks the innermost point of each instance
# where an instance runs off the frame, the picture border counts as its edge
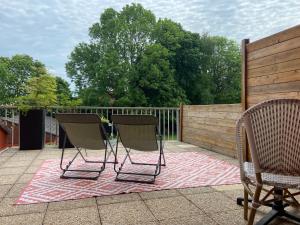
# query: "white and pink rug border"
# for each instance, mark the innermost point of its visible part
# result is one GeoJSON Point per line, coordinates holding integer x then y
{"type": "Point", "coordinates": [183, 170]}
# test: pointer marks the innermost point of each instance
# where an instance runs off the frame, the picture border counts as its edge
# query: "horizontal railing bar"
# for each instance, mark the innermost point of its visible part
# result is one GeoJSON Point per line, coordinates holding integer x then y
{"type": "Point", "coordinates": [96, 107]}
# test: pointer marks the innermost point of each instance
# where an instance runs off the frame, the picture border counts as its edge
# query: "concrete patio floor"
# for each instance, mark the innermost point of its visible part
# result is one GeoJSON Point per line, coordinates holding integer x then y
{"type": "Point", "coordinates": [202, 206]}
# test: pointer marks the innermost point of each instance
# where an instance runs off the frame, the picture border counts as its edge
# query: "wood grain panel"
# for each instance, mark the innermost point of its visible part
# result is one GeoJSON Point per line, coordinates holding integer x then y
{"type": "Point", "coordinates": [277, 78]}
{"type": "Point", "coordinates": [273, 49]}
{"type": "Point", "coordinates": [282, 36]}
{"type": "Point", "coordinates": [254, 99]}
{"type": "Point", "coordinates": [275, 68]}
{"type": "Point", "coordinates": [211, 126]}
{"type": "Point", "coordinates": [274, 59]}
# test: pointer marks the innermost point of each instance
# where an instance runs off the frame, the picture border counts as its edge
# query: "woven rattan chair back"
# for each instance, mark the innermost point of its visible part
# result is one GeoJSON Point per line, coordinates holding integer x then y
{"type": "Point", "coordinates": [137, 132]}
{"type": "Point", "coordinates": [273, 132]}
{"type": "Point", "coordinates": [83, 130]}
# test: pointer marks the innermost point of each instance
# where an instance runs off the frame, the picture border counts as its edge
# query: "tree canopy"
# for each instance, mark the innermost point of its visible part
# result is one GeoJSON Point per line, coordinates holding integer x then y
{"type": "Point", "coordinates": [19, 74]}
{"type": "Point", "coordinates": [40, 93]}
{"type": "Point", "coordinates": [132, 59]}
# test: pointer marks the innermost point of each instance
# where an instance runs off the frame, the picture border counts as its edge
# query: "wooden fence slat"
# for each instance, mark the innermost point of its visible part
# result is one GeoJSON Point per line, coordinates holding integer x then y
{"type": "Point", "coordinates": [274, 59]}
{"type": "Point", "coordinates": [282, 36]}
{"type": "Point", "coordinates": [211, 126]}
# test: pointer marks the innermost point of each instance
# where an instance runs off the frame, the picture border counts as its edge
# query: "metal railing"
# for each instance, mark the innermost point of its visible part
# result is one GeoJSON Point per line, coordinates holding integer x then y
{"type": "Point", "coordinates": [169, 119]}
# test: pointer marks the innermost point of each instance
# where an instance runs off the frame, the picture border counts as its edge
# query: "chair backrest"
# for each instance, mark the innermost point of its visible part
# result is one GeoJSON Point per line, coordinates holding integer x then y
{"type": "Point", "coordinates": [137, 131]}
{"type": "Point", "coordinates": [273, 132]}
{"type": "Point", "coordinates": [83, 130]}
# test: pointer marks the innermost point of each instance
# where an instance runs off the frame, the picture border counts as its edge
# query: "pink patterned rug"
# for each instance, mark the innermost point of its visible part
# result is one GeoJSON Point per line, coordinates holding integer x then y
{"type": "Point", "coordinates": [183, 170]}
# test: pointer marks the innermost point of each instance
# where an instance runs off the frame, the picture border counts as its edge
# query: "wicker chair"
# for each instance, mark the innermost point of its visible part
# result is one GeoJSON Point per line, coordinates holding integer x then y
{"type": "Point", "coordinates": [272, 129]}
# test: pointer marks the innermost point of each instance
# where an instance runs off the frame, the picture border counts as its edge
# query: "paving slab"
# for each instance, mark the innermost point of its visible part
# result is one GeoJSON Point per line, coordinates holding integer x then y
{"type": "Point", "coordinates": [4, 189]}
{"type": "Point", "coordinates": [80, 216]}
{"type": "Point", "coordinates": [191, 220]}
{"type": "Point", "coordinates": [25, 219]}
{"type": "Point", "coordinates": [134, 212]}
{"type": "Point", "coordinates": [159, 194]}
{"type": "Point", "coordinates": [7, 207]}
{"type": "Point", "coordinates": [25, 178]}
{"type": "Point", "coordinates": [213, 202]}
{"type": "Point", "coordinates": [8, 179]}
{"type": "Point", "coordinates": [16, 190]}
{"type": "Point", "coordinates": [72, 204]}
{"type": "Point", "coordinates": [12, 170]}
{"type": "Point", "coordinates": [17, 163]}
{"type": "Point", "coordinates": [196, 190]}
{"type": "Point", "coordinates": [174, 207]}
{"type": "Point", "coordinates": [103, 200]}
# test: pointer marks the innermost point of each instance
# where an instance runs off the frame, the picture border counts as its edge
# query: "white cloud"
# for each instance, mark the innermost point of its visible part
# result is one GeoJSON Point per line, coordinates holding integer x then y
{"type": "Point", "coordinates": [49, 30]}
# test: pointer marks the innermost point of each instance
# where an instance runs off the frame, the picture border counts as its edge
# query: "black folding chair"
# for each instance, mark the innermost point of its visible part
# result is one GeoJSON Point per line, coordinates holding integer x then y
{"type": "Point", "coordinates": [138, 132]}
{"type": "Point", "coordinates": [85, 131]}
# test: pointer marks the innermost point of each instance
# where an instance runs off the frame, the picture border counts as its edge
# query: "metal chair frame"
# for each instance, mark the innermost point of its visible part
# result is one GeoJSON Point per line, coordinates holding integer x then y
{"type": "Point", "coordinates": [66, 168]}
{"type": "Point", "coordinates": [127, 157]}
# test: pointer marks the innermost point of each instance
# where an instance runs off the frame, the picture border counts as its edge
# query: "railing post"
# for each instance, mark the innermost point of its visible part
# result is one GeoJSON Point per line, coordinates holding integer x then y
{"type": "Point", "coordinates": [181, 121]}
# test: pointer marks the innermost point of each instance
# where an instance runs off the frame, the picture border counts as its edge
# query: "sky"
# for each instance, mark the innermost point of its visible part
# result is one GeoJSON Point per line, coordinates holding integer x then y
{"type": "Point", "coordinates": [48, 30]}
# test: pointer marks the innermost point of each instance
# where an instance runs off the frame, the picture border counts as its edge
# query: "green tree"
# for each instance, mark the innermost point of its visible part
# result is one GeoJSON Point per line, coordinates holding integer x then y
{"type": "Point", "coordinates": [14, 73]}
{"type": "Point", "coordinates": [118, 66]}
{"type": "Point", "coordinates": [155, 81]}
{"type": "Point", "coordinates": [225, 70]}
{"type": "Point", "coordinates": [103, 68]}
{"type": "Point", "coordinates": [40, 93]}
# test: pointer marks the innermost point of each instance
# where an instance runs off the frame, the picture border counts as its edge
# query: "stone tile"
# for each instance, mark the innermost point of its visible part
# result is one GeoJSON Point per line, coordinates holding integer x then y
{"type": "Point", "coordinates": [118, 198]}
{"type": "Point", "coordinates": [7, 153]}
{"type": "Point", "coordinates": [80, 216]}
{"type": "Point", "coordinates": [25, 219]}
{"type": "Point", "coordinates": [22, 157]}
{"type": "Point", "coordinates": [17, 163]}
{"type": "Point", "coordinates": [235, 217]}
{"type": "Point", "coordinates": [4, 159]}
{"type": "Point", "coordinates": [216, 202]}
{"type": "Point", "coordinates": [134, 212]}
{"type": "Point", "coordinates": [196, 190]}
{"type": "Point", "coordinates": [72, 204]}
{"type": "Point", "coordinates": [25, 178]}
{"type": "Point", "coordinates": [7, 207]}
{"type": "Point", "coordinates": [28, 152]}
{"type": "Point", "coordinates": [16, 190]}
{"type": "Point", "coordinates": [38, 162]}
{"type": "Point", "coordinates": [8, 179]}
{"type": "Point", "coordinates": [48, 156]}
{"type": "Point", "coordinates": [234, 194]}
{"type": "Point", "coordinates": [4, 189]}
{"type": "Point", "coordinates": [159, 194]}
{"type": "Point", "coordinates": [165, 208]}
{"type": "Point", "coordinates": [191, 220]}
{"type": "Point", "coordinates": [32, 169]}
{"type": "Point", "coordinates": [229, 187]}
{"type": "Point", "coordinates": [12, 170]}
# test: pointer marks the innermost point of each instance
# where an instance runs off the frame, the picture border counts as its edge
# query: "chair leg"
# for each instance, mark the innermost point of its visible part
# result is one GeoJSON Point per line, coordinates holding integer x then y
{"type": "Point", "coordinates": [255, 204]}
{"type": "Point", "coordinates": [246, 195]}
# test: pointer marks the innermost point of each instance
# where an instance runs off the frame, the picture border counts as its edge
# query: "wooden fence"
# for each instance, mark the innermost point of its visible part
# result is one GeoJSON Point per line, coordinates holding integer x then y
{"type": "Point", "coordinates": [270, 69]}
{"type": "Point", "coordinates": [211, 126]}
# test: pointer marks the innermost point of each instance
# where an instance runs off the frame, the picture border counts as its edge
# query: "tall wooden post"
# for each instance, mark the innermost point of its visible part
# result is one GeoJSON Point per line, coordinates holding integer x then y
{"type": "Point", "coordinates": [244, 73]}
{"type": "Point", "coordinates": [244, 90]}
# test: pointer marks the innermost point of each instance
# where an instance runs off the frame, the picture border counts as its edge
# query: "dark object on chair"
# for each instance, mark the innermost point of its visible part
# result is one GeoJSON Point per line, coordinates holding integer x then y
{"type": "Point", "coordinates": [84, 131]}
{"type": "Point", "coordinates": [138, 132]}
{"type": "Point", "coordinates": [273, 133]}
